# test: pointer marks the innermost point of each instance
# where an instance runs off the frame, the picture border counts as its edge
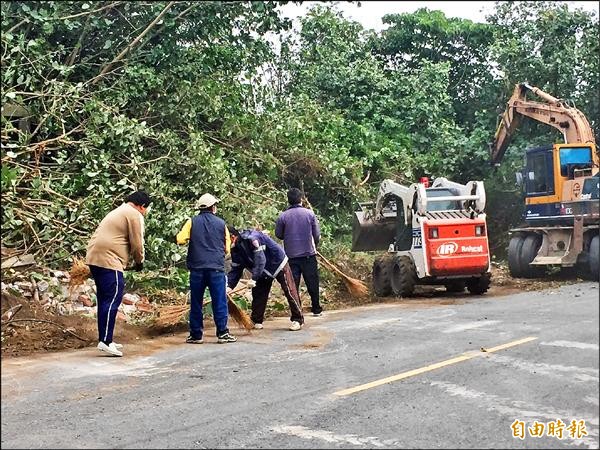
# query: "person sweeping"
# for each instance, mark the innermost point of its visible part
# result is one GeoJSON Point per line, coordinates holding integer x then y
{"type": "Point", "coordinates": [119, 234]}
{"type": "Point", "coordinates": [257, 252]}
{"type": "Point", "coordinates": [298, 228]}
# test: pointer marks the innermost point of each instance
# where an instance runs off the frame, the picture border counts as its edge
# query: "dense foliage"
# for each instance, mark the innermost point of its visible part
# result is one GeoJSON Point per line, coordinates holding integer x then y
{"type": "Point", "coordinates": [180, 98]}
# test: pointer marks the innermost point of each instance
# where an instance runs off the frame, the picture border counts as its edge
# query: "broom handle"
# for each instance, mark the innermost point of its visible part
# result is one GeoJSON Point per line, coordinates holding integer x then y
{"type": "Point", "coordinates": [234, 291]}
{"type": "Point", "coordinates": [331, 266]}
{"type": "Point", "coordinates": [238, 289]}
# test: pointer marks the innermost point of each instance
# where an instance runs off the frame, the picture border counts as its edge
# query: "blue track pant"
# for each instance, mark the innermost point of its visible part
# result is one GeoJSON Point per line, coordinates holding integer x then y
{"type": "Point", "coordinates": [110, 286]}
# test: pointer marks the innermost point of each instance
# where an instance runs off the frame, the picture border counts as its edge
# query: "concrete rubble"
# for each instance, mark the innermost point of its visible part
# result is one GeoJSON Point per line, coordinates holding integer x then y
{"type": "Point", "coordinates": [51, 289]}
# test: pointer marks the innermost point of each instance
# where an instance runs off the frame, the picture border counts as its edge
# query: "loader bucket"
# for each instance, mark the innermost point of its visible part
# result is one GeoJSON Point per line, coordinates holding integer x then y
{"type": "Point", "coordinates": [369, 235]}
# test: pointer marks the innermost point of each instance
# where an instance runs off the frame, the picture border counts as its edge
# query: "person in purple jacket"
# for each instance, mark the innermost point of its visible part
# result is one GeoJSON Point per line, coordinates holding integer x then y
{"type": "Point", "coordinates": [298, 228]}
{"type": "Point", "coordinates": [257, 252]}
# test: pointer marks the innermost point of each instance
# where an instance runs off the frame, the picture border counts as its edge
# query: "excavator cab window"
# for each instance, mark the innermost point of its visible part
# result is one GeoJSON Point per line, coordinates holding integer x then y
{"type": "Point", "coordinates": [539, 179]}
{"type": "Point", "coordinates": [574, 158]}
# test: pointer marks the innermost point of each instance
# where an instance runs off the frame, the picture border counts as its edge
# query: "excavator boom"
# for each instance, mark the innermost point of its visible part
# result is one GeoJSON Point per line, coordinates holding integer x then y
{"type": "Point", "coordinates": [556, 113]}
{"type": "Point", "coordinates": [560, 183]}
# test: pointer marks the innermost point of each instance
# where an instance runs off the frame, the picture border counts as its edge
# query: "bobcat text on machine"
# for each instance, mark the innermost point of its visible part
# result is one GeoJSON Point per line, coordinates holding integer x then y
{"type": "Point", "coordinates": [432, 235]}
{"type": "Point", "coordinates": [562, 211]}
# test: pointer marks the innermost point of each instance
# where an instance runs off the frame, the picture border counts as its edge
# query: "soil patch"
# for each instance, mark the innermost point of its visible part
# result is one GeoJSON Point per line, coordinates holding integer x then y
{"type": "Point", "coordinates": [34, 329]}
{"type": "Point", "coordinates": [45, 331]}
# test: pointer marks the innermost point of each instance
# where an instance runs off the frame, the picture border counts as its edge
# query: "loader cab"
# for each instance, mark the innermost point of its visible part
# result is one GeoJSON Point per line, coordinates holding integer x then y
{"type": "Point", "coordinates": [404, 231]}
{"type": "Point", "coordinates": [445, 205]}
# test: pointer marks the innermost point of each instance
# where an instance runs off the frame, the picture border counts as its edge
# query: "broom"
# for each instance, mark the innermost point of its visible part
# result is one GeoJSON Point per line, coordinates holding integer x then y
{"type": "Point", "coordinates": [355, 287]}
{"type": "Point", "coordinates": [238, 314]}
{"type": "Point", "coordinates": [78, 274]}
{"type": "Point", "coordinates": [171, 315]}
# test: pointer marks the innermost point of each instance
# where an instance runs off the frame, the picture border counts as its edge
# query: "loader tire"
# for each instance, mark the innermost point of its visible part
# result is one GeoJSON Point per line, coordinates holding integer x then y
{"type": "Point", "coordinates": [478, 286]}
{"type": "Point", "coordinates": [382, 276]}
{"type": "Point", "coordinates": [531, 245]}
{"type": "Point", "coordinates": [594, 257]}
{"type": "Point", "coordinates": [455, 286]}
{"type": "Point", "coordinates": [514, 250]}
{"type": "Point", "coordinates": [404, 276]}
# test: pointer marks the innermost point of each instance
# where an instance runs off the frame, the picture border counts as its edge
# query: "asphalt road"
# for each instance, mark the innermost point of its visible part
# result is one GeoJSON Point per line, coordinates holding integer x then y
{"type": "Point", "coordinates": [410, 374]}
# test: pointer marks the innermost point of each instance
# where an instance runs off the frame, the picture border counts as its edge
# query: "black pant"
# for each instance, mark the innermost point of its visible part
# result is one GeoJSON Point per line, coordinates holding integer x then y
{"type": "Point", "coordinates": [307, 267]}
{"type": "Point", "coordinates": [260, 295]}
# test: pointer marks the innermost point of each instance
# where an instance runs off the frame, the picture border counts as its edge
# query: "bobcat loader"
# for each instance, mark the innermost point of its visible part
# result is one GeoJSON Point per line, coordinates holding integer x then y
{"type": "Point", "coordinates": [432, 236]}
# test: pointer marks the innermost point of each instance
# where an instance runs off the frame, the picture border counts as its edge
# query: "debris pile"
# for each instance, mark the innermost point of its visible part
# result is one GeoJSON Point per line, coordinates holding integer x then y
{"type": "Point", "coordinates": [53, 291]}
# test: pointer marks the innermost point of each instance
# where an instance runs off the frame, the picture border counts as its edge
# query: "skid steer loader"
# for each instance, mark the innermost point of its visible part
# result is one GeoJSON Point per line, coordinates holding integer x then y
{"type": "Point", "coordinates": [432, 235]}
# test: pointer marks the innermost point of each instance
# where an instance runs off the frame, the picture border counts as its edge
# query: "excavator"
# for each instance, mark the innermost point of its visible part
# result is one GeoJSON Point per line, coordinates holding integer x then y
{"type": "Point", "coordinates": [561, 184]}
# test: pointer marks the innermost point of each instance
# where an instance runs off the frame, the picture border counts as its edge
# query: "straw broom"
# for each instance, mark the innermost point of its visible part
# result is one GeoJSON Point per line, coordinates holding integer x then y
{"type": "Point", "coordinates": [168, 315]}
{"type": "Point", "coordinates": [78, 274]}
{"type": "Point", "coordinates": [238, 314]}
{"type": "Point", "coordinates": [355, 287]}
{"type": "Point", "coordinates": [171, 315]}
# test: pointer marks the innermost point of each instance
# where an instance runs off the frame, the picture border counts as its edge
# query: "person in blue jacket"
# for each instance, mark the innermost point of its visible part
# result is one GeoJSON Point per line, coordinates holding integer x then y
{"type": "Point", "coordinates": [208, 243]}
{"type": "Point", "coordinates": [265, 258]}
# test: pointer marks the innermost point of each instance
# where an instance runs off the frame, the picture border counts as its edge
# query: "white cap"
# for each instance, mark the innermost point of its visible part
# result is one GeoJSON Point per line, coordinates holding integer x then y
{"type": "Point", "coordinates": [207, 200]}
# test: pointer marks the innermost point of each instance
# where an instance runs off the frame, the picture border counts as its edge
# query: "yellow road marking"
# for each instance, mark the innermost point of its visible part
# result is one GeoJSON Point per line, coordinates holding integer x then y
{"type": "Point", "coordinates": [412, 373]}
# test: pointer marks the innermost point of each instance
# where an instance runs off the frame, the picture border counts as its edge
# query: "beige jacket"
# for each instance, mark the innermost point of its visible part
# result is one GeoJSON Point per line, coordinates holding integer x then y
{"type": "Point", "coordinates": [120, 234]}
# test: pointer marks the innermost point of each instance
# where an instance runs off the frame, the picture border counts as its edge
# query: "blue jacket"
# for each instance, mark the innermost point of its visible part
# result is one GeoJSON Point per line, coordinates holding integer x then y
{"type": "Point", "coordinates": [255, 251]}
{"type": "Point", "coordinates": [206, 249]}
{"type": "Point", "coordinates": [298, 227]}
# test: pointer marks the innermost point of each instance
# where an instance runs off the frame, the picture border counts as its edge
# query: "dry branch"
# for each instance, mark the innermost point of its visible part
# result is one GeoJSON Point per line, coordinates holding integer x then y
{"type": "Point", "coordinates": [50, 322]}
{"type": "Point", "coordinates": [132, 44]}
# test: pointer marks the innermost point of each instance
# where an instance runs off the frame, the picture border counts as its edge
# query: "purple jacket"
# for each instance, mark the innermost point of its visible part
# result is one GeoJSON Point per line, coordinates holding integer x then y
{"type": "Point", "coordinates": [298, 227]}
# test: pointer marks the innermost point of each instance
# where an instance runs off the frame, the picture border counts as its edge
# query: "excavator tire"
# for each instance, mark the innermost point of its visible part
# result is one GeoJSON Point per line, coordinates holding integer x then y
{"type": "Point", "coordinates": [455, 286]}
{"type": "Point", "coordinates": [382, 279]}
{"type": "Point", "coordinates": [404, 276]}
{"type": "Point", "coordinates": [478, 286]}
{"type": "Point", "coordinates": [531, 245]}
{"type": "Point", "coordinates": [514, 261]}
{"type": "Point", "coordinates": [594, 258]}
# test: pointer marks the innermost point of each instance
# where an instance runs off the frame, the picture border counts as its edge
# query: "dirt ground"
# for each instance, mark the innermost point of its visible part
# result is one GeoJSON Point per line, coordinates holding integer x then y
{"type": "Point", "coordinates": [33, 329]}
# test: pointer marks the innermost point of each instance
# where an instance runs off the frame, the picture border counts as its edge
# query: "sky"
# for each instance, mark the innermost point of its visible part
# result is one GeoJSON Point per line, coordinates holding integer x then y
{"type": "Point", "coordinates": [369, 14]}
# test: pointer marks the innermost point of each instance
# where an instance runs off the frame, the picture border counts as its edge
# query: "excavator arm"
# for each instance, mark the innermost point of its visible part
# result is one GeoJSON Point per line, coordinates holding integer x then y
{"type": "Point", "coordinates": [555, 112]}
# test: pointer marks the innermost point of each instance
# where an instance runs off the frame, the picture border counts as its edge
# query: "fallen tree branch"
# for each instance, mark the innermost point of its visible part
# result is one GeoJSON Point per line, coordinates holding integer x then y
{"type": "Point", "coordinates": [88, 12]}
{"type": "Point", "coordinates": [13, 28]}
{"type": "Point", "coordinates": [132, 44]}
{"type": "Point", "coordinates": [362, 183]}
{"type": "Point", "coordinates": [52, 323]}
{"type": "Point", "coordinates": [71, 59]}
{"type": "Point", "coordinates": [10, 314]}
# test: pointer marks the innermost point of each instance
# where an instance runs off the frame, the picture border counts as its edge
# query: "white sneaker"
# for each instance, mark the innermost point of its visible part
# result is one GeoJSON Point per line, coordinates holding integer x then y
{"type": "Point", "coordinates": [295, 326]}
{"type": "Point", "coordinates": [258, 326]}
{"type": "Point", "coordinates": [110, 348]}
{"type": "Point", "coordinates": [118, 346]}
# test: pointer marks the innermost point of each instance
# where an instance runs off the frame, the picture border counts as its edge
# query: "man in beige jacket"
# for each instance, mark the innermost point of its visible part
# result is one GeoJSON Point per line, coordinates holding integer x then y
{"type": "Point", "coordinates": [120, 234]}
